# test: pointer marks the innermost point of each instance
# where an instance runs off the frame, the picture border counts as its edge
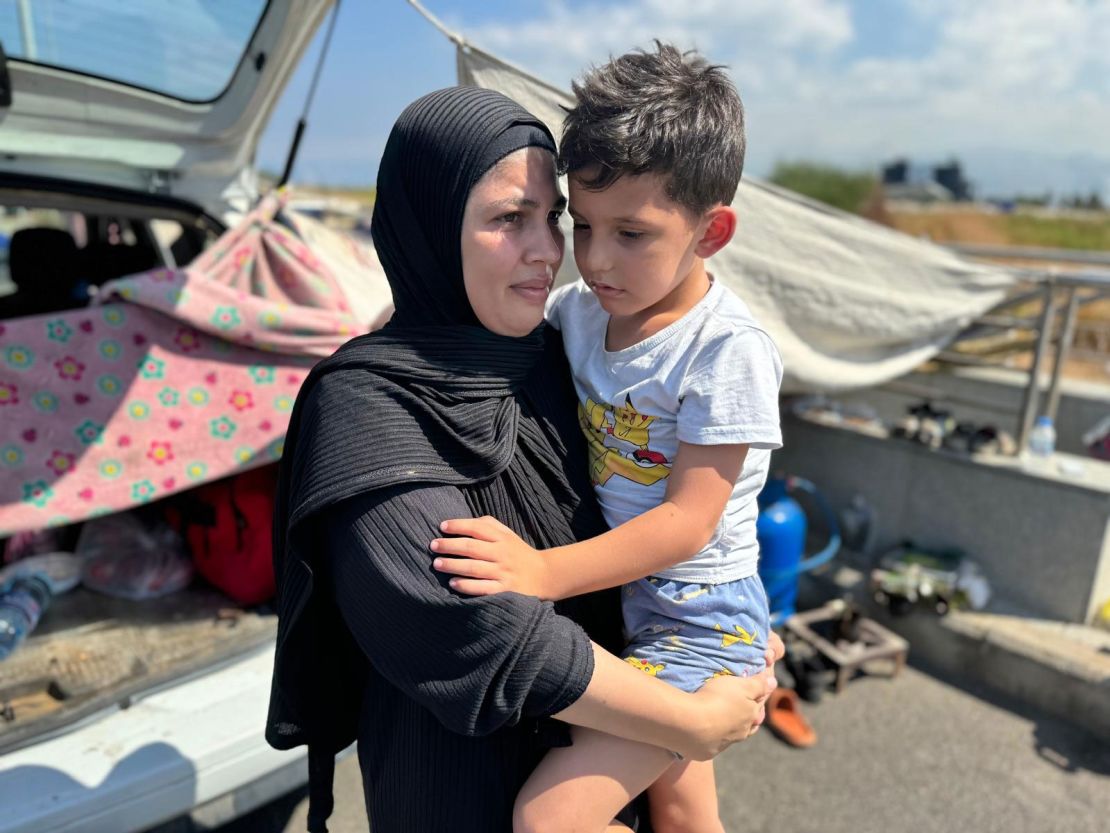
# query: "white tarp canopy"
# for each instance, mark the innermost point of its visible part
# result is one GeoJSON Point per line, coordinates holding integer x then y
{"type": "Point", "coordinates": [850, 303]}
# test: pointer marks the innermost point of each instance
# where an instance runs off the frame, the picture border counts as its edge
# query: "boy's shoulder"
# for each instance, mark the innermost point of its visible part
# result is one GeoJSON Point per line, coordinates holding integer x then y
{"type": "Point", "coordinates": [729, 340]}
{"type": "Point", "coordinates": [575, 292]}
{"type": "Point", "coordinates": [572, 303]}
{"type": "Point", "coordinates": [728, 317]}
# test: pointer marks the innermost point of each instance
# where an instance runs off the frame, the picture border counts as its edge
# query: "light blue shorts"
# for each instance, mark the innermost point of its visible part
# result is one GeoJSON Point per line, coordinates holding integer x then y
{"type": "Point", "coordinates": [687, 634]}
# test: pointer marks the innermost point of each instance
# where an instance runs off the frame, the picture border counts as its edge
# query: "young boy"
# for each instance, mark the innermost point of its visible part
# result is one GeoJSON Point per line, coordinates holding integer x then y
{"type": "Point", "coordinates": [678, 390]}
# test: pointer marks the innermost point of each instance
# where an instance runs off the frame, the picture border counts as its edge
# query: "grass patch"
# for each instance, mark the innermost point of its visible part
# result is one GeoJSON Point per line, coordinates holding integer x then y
{"type": "Point", "coordinates": [1059, 232]}
{"type": "Point", "coordinates": [847, 190]}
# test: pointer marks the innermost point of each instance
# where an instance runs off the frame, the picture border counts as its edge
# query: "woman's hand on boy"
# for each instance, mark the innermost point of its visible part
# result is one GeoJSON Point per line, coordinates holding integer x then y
{"type": "Point", "coordinates": [492, 559]}
{"type": "Point", "coordinates": [733, 708]}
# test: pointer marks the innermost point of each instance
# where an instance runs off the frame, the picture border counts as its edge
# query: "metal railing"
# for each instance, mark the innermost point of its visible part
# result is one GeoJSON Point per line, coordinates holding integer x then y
{"type": "Point", "coordinates": [1062, 292]}
{"type": "Point", "coordinates": [1034, 253]}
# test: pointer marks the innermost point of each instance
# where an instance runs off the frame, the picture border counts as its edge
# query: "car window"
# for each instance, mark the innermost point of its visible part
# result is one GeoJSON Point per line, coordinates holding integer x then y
{"type": "Point", "coordinates": [181, 244]}
{"type": "Point", "coordinates": [187, 49]}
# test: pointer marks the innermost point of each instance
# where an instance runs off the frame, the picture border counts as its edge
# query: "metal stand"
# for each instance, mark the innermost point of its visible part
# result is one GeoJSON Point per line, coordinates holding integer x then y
{"type": "Point", "coordinates": [875, 643]}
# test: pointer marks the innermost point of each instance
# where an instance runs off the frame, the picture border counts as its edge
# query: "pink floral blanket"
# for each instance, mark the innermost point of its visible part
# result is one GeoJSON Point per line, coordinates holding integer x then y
{"type": "Point", "coordinates": [176, 376]}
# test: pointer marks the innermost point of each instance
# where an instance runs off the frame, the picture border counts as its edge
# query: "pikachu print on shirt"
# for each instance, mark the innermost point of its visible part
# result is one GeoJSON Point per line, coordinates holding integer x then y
{"type": "Point", "coordinates": [619, 443]}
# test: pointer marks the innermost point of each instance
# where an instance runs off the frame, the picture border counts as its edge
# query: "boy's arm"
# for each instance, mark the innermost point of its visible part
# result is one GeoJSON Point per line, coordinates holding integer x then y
{"type": "Point", "coordinates": [494, 559]}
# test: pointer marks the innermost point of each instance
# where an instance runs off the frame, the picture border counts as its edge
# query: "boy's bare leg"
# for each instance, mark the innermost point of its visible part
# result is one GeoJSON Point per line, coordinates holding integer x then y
{"type": "Point", "coordinates": [684, 799]}
{"type": "Point", "coordinates": [581, 788]}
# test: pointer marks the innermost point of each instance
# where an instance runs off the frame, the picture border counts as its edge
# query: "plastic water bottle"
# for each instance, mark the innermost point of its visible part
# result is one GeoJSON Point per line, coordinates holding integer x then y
{"type": "Point", "coordinates": [21, 606]}
{"type": "Point", "coordinates": [1042, 439]}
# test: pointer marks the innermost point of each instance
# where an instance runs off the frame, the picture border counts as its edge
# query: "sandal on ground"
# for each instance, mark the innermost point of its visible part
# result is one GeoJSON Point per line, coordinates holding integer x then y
{"type": "Point", "coordinates": [786, 721]}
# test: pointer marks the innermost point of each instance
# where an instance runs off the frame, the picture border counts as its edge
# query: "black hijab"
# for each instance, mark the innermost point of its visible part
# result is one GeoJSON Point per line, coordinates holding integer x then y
{"type": "Point", "coordinates": [435, 381]}
{"type": "Point", "coordinates": [430, 398]}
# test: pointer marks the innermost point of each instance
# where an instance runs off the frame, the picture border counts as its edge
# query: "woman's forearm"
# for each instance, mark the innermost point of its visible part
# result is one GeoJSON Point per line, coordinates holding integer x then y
{"type": "Point", "coordinates": [626, 702]}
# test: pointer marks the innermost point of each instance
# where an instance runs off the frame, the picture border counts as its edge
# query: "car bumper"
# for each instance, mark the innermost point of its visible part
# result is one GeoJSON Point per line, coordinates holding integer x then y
{"type": "Point", "coordinates": [198, 744]}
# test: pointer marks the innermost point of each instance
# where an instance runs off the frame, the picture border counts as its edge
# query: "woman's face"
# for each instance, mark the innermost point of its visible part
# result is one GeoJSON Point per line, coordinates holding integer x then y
{"type": "Point", "coordinates": [511, 242]}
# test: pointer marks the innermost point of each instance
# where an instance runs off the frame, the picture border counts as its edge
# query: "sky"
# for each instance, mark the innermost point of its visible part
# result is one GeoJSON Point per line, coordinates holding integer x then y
{"type": "Point", "coordinates": [1018, 90]}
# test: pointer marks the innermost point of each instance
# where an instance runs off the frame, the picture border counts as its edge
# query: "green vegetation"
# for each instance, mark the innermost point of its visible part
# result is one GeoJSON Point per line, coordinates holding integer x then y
{"type": "Point", "coordinates": [847, 190]}
{"type": "Point", "coordinates": [1059, 232]}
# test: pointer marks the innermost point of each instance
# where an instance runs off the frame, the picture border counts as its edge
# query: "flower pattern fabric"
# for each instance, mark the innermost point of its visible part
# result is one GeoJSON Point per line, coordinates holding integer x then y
{"type": "Point", "coordinates": [178, 377]}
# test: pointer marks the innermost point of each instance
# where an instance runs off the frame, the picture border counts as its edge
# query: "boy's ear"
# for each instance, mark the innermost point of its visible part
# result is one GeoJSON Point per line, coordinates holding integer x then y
{"type": "Point", "coordinates": [720, 225]}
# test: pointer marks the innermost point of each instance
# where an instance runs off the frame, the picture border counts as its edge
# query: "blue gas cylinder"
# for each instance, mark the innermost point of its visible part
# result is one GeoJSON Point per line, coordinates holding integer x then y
{"type": "Point", "coordinates": [781, 531]}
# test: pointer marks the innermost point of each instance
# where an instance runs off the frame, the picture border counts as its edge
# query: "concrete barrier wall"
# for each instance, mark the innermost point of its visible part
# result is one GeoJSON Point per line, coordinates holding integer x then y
{"type": "Point", "coordinates": [1041, 541]}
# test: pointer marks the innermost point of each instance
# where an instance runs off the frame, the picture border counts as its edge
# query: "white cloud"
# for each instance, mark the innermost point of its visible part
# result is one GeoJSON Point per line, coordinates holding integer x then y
{"type": "Point", "coordinates": [563, 40]}
{"type": "Point", "coordinates": [1018, 75]}
{"type": "Point", "coordinates": [1012, 73]}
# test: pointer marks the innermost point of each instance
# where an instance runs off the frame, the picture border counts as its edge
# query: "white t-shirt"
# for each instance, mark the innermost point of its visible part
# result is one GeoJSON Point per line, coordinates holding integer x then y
{"type": "Point", "coordinates": [710, 378]}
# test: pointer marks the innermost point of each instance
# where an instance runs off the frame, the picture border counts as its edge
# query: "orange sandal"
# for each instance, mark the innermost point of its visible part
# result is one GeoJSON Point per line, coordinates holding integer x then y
{"type": "Point", "coordinates": [786, 720]}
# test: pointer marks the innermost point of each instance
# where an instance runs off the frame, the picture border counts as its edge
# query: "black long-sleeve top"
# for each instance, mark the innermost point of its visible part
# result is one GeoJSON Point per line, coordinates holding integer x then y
{"type": "Point", "coordinates": [454, 691]}
{"type": "Point", "coordinates": [449, 728]}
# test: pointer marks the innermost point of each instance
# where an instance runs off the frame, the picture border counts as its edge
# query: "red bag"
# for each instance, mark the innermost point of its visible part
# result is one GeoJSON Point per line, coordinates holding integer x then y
{"type": "Point", "coordinates": [228, 528]}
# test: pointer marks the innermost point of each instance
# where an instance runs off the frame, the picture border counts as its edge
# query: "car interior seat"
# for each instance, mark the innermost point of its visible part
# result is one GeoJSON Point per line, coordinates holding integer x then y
{"type": "Point", "coordinates": [46, 268]}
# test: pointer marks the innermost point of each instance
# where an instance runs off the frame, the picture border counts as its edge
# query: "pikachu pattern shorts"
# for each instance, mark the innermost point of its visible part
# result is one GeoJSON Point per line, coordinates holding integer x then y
{"type": "Point", "coordinates": [687, 634]}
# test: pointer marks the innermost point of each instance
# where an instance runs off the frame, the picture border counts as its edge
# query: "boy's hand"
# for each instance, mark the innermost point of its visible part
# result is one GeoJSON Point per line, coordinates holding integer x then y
{"type": "Point", "coordinates": [495, 559]}
{"type": "Point", "coordinates": [776, 650]}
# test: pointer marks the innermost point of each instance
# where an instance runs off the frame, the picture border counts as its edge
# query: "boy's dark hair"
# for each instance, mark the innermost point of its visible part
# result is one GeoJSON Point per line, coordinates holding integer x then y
{"type": "Point", "coordinates": [664, 112]}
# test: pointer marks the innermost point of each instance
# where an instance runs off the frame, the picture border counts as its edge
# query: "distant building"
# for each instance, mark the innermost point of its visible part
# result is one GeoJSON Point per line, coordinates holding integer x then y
{"type": "Point", "coordinates": [897, 172]}
{"type": "Point", "coordinates": [903, 180]}
{"type": "Point", "coordinates": [951, 176]}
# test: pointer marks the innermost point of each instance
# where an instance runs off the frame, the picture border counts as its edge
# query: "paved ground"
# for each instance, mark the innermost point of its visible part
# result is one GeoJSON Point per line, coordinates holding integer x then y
{"type": "Point", "coordinates": [912, 754]}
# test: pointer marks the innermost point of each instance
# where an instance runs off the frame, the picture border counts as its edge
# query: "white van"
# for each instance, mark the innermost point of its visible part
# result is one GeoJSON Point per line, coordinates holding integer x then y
{"type": "Point", "coordinates": [128, 130]}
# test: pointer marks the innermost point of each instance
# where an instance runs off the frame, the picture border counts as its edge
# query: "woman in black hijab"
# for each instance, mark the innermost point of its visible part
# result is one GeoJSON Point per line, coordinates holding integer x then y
{"type": "Point", "coordinates": [461, 406]}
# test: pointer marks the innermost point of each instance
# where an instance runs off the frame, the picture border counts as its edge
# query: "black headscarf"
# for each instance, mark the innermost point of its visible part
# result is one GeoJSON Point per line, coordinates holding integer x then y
{"type": "Point", "coordinates": [437, 383]}
{"type": "Point", "coordinates": [430, 398]}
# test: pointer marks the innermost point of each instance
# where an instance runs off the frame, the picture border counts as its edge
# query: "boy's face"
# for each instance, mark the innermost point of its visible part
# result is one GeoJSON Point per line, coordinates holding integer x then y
{"type": "Point", "coordinates": [634, 246]}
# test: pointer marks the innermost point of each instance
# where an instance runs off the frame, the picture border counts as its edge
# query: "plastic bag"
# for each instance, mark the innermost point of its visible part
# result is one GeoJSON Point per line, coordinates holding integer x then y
{"type": "Point", "coordinates": [125, 557]}
{"type": "Point", "coordinates": [36, 542]}
{"type": "Point", "coordinates": [1097, 439]}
